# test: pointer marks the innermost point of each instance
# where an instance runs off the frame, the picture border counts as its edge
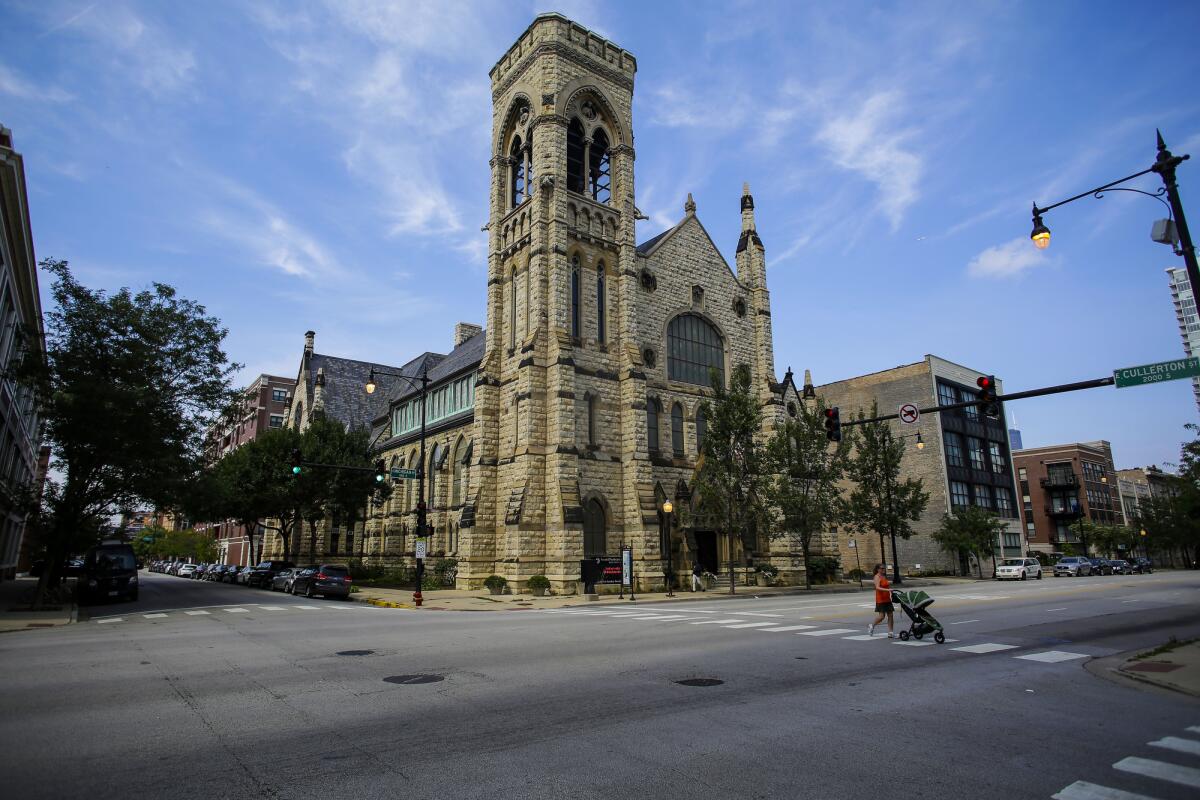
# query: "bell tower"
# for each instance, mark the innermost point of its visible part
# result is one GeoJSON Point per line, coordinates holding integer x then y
{"type": "Point", "coordinates": [561, 343]}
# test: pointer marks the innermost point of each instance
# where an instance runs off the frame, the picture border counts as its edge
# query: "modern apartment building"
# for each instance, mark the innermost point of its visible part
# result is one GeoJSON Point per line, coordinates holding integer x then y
{"type": "Point", "coordinates": [963, 458]}
{"type": "Point", "coordinates": [1062, 483]}
{"type": "Point", "coordinates": [20, 332]}
{"type": "Point", "coordinates": [1185, 313]}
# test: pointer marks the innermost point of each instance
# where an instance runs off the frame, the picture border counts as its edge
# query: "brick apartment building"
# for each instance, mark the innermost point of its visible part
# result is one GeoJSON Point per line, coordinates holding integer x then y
{"type": "Point", "coordinates": [1063, 483]}
{"type": "Point", "coordinates": [264, 406]}
{"type": "Point", "coordinates": [964, 459]}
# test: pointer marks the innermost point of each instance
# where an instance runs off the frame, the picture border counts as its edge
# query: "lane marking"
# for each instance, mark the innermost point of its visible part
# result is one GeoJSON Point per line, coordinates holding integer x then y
{"type": "Point", "coordinates": [1123, 602]}
{"type": "Point", "coordinates": [758, 614]}
{"type": "Point", "coordinates": [716, 621]}
{"type": "Point", "coordinates": [1189, 746]}
{"type": "Point", "coordinates": [647, 616]}
{"type": "Point", "coordinates": [153, 616]}
{"type": "Point", "coordinates": [866, 637]}
{"type": "Point", "coordinates": [1064, 608]}
{"type": "Point", "coordinates": [667, 617]}
{"type": "Point", "coordinates": [195, 613]}
{"type": "Point", "coordinates": [110, 619]}
{"type": "Point", "coordinates": [779, 629]}
{"type": "Point", "coordinates": [749, 625]}
{"type": "Point", "coordinates": [912, 643]}
{"type": "Point", "coordinates": [831, 632]}
{"type": "Point", "coordinates": [236, 610]}
{"type": "Point", "coordinates": [1082, 790]}
{"type": "Point", "coordinates": [1193, 728]}
{"type": "Point", "coordinates": [619, 614]}
{"type": "Point", "coordinates": [964, 622]}
{"type": "Point", "coordinates": [272, 608]}
{"type": "Point", "coordinates": [1187, 776]}
{"type": "Point", "coordinates": [986, 647]}
{"type": "Point", "coordinates": [1052, 656]}
{"type": "Point", "coordinates": [310, 608]}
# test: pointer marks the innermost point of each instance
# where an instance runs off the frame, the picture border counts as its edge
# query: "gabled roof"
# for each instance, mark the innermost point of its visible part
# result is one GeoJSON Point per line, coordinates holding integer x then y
{"type": "Point", "coordinates": [345, 396]}
{"type": "Point", "coordinates": [645, 247]}
{"type": "Point", "coordinates": [649, 247]}
{"type": "Point", "coordinates": [464, 357]}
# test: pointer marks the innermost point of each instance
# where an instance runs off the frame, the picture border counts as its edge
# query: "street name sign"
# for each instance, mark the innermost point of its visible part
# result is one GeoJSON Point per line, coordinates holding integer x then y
{"type": "Point", "coordinates": [404, 474]}
{"type": "Point", "coordinates": [1156, 373]}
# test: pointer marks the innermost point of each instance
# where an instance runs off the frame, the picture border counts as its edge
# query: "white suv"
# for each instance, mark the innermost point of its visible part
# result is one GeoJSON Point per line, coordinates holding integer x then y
{"type": "Point", "coordinates": [1019, 569]}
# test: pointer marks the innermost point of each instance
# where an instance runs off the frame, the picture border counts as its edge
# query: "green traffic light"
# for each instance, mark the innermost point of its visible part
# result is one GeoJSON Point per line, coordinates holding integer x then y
{"type": "Point", "coordinates": [296, 470]}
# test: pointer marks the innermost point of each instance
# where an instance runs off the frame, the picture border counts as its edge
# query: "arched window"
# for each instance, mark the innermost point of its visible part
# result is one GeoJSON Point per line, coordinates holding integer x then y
{"type": "Point", "coordinates": [575, 178]}
{"type": "Point", "coordinates": [462, 463]}
{"type": "Point", "coordinates": [693, 348]}
{"type": "Point", "coordinates": [575, 297]}
{"type": "Point", "coordinates": [677, 430]}
{"type": "Point", "coordinates": [595, 539]}
{"type": "Point", "coordinates": [512, 316]}
{"type": "Point", "coordinates": [599, 181]}
{"type": "Point", "coordinates": [600, 305]}
{"type": "Point", "coordinates": [431, 486]}
{"type": "Point", "coordinates": [516, 172]}
{"type": "Point", "coordinates": [701, 429]}
{"type": "Point", "coordinates": [653, 409]}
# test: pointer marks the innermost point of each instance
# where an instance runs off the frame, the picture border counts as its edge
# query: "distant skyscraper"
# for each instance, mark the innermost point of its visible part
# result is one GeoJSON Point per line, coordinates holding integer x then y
{"type": "Point", "coordinates": [1014, 439]}
{"type": "Point", "coordinates": [1185, 313]}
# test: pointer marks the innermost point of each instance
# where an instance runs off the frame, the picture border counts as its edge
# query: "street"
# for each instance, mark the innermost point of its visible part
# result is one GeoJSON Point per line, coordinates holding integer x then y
{"type": "Point", "coordinates": [212, 690]}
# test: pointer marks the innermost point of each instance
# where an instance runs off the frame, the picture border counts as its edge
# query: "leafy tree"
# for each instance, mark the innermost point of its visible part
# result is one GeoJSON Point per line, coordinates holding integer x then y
{"type": "Point", "coordinates": [972, 529]}
{"type": "Point", "coordinates": [731, 480]}
{"type": "Point", "coordinates": [879, 501]}
{"type": "Point", "coordinates": [340, 493]}
{"type": "Point", "coordinates": [129, 384]}
{"type": "Point", "coordinates": [805, 490]}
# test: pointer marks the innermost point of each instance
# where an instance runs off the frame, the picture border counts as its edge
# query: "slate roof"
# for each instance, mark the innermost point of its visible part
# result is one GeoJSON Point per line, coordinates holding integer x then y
{"type": "Point", "coordinates": [648, 245]}
{"type": "Point", "coordinates": [346, 398]}
{"type": "Point", "coordinates": [466, 355]}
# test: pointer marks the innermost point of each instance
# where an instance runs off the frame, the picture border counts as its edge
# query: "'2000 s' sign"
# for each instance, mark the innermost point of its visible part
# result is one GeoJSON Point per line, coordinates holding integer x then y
{"type": "Point", "coordinates": [1155, 373]}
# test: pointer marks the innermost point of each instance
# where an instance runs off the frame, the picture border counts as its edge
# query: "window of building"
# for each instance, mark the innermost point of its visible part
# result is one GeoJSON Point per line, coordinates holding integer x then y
{"type": "Point", "coordinates": [693, 348]}
{"type": "Point", "coordinates": [965, 396]}
{"type": "Point", "coordinates": [701, 429]}
{"type": "Point", "coordinates": [600, 305]}
{"type": "Point", "coordinates": [333, 541]}
{"type": "Point", "coordinates": [575, 297]}
{"type": "Point", "coordinates": [677, 430]}
{"type": "Point", "coordinates": [279, 395]}
{"type": "Point", "coordinates": [599, 181]}
{"type": "Point", "coordinates": [999, 462]}
{"type": "Point", "coordinates": [975, 448]}
{"type": "Point", "coordinates": [512, 313]}
{"type": "Point", "coordinates": [516, 172]}
{"type": "Point", "coordinates": [575, 156]}
{"type": "Point", "coordinates": [653, 409]}
{"type": "Point", "coordinates": [946, 396]}
{"type": "Point", "coordinates": [1022, 474]}
{"type": "Point", "coordinates": [983, 497]}
{"type": "Point", "coordinates": [277, 420]}
{"type": "Point", "coordinates": [349, 542]}
{"type": "Point", "coordinates": [1030, 530]}
{"type": "Point", "coordinates": [960, 495]}
{"type": "Point", "coordinates": [954, 451]}
{"type": "Point", "coordinates": [1011, 540]}
{"type": "Point", "coordinates": [1004, 504]}
{"type": "Point", "coordinates": [590, 399]}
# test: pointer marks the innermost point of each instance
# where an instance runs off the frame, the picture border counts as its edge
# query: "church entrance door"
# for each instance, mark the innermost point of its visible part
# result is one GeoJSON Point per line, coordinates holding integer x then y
{"type": "Point", "coordinates": [706, 551]}
{"type": "Point", "coordinates": [595, 539]}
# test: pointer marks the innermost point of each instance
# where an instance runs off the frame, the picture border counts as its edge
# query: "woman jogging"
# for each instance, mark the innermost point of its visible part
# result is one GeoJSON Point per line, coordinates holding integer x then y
{"type": "Point", "coordinates": [883, 601]}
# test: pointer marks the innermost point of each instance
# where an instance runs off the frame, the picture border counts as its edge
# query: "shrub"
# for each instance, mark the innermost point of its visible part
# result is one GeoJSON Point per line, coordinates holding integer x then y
{"type": "Point", "coordinates": [822, 568]}
{"type": "Point", "coordinates": [495, 582]}
{"type": "Point", "coordinates": [539, 582]}
{"type": "Point", "coordinates": [446, 570]}
{"type": "Point", "coordinates": [856, 574]}
{"type": "Point", "coordinates": [769, 571]}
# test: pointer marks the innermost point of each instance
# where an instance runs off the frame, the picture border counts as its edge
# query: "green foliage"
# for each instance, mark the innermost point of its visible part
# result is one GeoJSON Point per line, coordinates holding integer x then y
{"type": "Point", "coordinates": [768, 571]}
{"type": "Point", "coordinates": [823, 569]}
{"type": "Point", "coordinates": [856, 574]}
{"type": "Point", "coordinates": [446, 570]}
{"type": "Point", "coordinates": [495, 583]}
{"type": "Point", "coordinates": [539, 582]}
{"type": "Point", "coordinates": [880, 502]}
{"type": "Point", "coordinates": [971, 529]}
{"type": "Point", "coordinates": [128, 385]}
{"type": "Point", "coordinates": [731, 480]}
{"type": "Point", "coordinates": [805, 491]}
{"type": "Point", "coordinates": [180, 545]}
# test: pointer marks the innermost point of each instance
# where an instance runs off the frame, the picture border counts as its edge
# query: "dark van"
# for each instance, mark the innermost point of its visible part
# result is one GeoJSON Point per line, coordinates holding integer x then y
{"type": "Point", "coordinates": [109, 573]}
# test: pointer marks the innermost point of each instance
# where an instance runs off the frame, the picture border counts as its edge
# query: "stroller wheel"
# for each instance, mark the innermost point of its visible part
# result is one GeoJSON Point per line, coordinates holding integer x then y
{"type": "Point", "coordinates": [904, 636]}
{"type": "Point", "coordinates": [917, 636]}
{"type": "Point", "coordinates": [939, 637]}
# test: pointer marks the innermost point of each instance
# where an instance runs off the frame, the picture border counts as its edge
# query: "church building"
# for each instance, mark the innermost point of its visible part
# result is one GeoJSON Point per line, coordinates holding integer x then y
{"type": "Point", "coordinates": [555, 433]}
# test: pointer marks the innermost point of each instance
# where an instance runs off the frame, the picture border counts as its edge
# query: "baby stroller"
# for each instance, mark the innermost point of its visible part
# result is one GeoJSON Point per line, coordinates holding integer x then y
{"type": "Point", "coordinates": [915, 605]}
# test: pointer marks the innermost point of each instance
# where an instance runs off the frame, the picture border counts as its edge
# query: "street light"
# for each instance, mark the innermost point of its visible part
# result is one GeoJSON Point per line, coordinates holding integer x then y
{"type": "Point", "coordinates": [664, 543]}
{"type": "Point", "coordinates": [421, 507]}
{"type": "Point", "coordinates": [1164, 166]}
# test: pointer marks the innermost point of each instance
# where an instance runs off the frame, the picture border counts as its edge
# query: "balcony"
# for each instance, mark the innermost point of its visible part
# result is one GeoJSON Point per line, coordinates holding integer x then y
{"type": "Point", "coordinates": [1064, 510]}
{"type": "Point", "coordinates": [1060, 480]}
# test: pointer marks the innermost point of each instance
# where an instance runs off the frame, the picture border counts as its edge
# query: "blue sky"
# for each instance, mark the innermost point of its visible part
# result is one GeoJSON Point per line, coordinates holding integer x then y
{"type": "Point", "coordinates": [297, 165]}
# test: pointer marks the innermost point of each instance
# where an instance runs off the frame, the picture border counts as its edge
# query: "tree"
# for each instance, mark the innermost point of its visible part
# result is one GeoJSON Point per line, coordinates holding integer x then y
{"type": "Point", "coordinates": [805, 490]}
{"type": "Point", "coordinates": [880, 502]}
{"type": "Point", "coordinates": [972, 529]}
{"type": "Point", "coordinates": [128, 386]}
{"type": "Point", "coordinates": [327, 492]}
{"type": "Point", "coordinates": [731, 479]}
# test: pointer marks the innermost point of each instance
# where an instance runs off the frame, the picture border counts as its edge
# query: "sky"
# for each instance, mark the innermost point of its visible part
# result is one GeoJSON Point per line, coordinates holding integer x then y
{"type": "Point", "coordinates": [324, 165]}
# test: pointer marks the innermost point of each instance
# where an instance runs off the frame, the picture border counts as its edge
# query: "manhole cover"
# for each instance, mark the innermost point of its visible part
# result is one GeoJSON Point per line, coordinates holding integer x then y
{"type": "Point", "coordinates": [355, 652]}
{"type": "Point", "coordinates": [410, 679]}
{"type": "Point", "coordinates": [700, 682]}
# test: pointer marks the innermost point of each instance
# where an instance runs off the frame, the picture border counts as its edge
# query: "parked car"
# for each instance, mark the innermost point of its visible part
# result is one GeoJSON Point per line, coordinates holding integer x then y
{"type": "Point", "coordinates": [330, 580]}
{"type": "Point", "coordinates": [230, 574]}
{"type": "Point", "coordinates": [187, 571]}
{"type": "Point", "coordinates": [109, 571]}
{"type": "Point", "coordinates": [282, 582]}
{"type": "Point", "coordinates": [1019, 569]}
{"type": "Point", "coordinates": [200, 570]}
{"type": "Point", "coordinates": [264, 574]}
{"type": "Point", "coordinates": [1119, 566]}
{"type": "Point", "coordinates": [216, 572]}
{"type": "Point", "coordinates": [1073, 566]}
{"type": "Point", "coordinates": [1143, 565]}
{"type": "Point", "coordinates": [242, 575]}
{"type": "Point", "coordinates": [1100, 566]}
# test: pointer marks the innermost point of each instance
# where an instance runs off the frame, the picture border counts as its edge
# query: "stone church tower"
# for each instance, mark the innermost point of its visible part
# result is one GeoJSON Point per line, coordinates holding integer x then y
{"type": "Point", "coordinates": [597, 351]}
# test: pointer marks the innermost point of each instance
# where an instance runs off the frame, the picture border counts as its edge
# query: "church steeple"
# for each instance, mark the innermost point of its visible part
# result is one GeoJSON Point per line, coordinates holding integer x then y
{"type": "Point", "coordinates": [751, 258]}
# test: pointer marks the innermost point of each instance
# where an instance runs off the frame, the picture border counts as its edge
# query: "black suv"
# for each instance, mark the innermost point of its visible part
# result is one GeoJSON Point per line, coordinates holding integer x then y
{"type": "Point", "coordinates": [331, 580]}
{"type": "Point", "coordinates": [109, 571]}
{"type": "Point", "coordinates": [264, 573]}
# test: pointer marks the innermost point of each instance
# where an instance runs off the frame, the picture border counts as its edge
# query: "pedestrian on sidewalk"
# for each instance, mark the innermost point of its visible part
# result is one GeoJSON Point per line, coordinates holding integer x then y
{"type": "Point", "coordinates": [697, 580]}
{"type": "Point", "coordinates": [883, 601]}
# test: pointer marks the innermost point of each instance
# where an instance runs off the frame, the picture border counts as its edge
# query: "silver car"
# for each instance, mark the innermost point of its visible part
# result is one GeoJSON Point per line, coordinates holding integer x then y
{"type": "Point", "coordinates": [1073, 566]}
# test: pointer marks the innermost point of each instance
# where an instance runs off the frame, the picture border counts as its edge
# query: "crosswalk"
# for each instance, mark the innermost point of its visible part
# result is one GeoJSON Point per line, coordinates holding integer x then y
{"type": "Point", "coordinates": [741, 622]}
{"type": "Point", "coordinates": [221, 610]}
{"type": "Point", "coordinates": [1159, 775]}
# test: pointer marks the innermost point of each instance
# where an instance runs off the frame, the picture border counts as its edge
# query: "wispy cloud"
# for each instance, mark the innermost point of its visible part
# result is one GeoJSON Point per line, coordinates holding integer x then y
{"type": "Point", "coordinates": [138, 48]}
{"type": "Point", "coordinates": [1009, 260]}
{"type": "Point", "coordinates": [14, 85]}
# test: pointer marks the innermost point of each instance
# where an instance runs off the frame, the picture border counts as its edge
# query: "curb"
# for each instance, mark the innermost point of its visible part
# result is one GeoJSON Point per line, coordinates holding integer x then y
{"type": "Point", "coordinates": [1111, 668]}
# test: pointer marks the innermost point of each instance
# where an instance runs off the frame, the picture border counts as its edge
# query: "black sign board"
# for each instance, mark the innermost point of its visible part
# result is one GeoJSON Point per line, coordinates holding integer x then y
{"type": "Point", "coordinates": [600, 569]}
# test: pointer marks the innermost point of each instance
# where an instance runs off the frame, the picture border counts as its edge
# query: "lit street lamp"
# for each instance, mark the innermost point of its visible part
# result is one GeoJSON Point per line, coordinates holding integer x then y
{"type": "Point", "coordinates": [1163, 233]}
{"type": "Point", "coordinates": [665, 521]}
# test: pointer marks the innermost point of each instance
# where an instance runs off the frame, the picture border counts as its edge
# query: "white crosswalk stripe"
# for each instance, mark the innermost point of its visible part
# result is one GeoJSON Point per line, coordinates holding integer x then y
{"type": "Point", "coordinates": [1150, 769]}
{"type": "Point", "coordinates": [785, 628]}
{"type": "Point", "coordinates": [828, 632]}
{"type": "Point", "coordinates": [1082, 790]}
{"type": "Point", "coordinates": [913, 643]}
{"type": "Point", "coordinates": [1052, 656]}
{"type": "Point", "coordinates": [716, 621]}
{"type": "Point", "coordinates": [1189, 746]}
{"type": "Point", "coordinates": [153, 616]}
{"type": "Point", "coordinates": [1163, 771]}
{"type": "Point", "coordinates": [865, 637]}
{"type": "Point", "coordinates": [985, 647]}
{"type": "Point", "coordinates": [195, 613]}
{"type": "Point", "coordinates": [113, 619]}
{"type": "Point", "coordinates": [272, 608]}
{"type": "Point", "coordinates": [748, 625]}
{"type": "Point", "coordinates": [236, 610]}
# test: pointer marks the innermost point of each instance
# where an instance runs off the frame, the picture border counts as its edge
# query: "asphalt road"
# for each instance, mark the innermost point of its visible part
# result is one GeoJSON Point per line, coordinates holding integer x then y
{"type": "Point", "coordinates": [211, 690]}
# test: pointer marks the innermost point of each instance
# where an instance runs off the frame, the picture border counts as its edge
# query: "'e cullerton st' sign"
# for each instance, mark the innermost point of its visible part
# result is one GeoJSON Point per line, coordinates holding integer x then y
{"type": "Point", "coordinates": [1156, 373]}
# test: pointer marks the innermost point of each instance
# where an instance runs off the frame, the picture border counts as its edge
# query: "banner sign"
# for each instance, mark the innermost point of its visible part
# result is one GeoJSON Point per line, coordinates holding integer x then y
{"type": "Point", "coordinates": [627, 566]}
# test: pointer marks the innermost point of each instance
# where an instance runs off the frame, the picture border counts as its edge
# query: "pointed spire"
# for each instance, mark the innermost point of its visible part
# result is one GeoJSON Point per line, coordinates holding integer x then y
{"type": "Point", "coordinates": [1161, 144]}
{"type": "Point", "coordinates": [689, 206]}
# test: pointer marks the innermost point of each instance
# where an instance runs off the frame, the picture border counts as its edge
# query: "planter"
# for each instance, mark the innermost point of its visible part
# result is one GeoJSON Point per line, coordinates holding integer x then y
{"type": "Point", "coordinates": [495, 590]}
{"type": "Point", "coordinates": [540, 592]}
{"type": "Point", "coordinates": [763, 580]}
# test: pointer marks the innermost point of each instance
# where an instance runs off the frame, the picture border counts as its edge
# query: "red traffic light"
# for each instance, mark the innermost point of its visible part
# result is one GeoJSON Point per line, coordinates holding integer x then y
{"type": "Point", "coordinates": [984, 382]}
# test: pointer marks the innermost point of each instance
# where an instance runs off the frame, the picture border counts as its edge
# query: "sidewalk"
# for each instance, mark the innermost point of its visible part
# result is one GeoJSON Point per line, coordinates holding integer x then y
{"type": "Point", "coordinates": [1177, 668]}
{"type": "Point", "coordinates": [481, 600]}
{"type": "Point", "coordinates": [15, 617]}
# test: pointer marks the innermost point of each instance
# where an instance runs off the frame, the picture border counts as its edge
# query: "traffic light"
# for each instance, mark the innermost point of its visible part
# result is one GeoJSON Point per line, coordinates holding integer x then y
{"type": "Point", "coordinates": [380, 471]}
{"type": "Point", "coordinates": [833, 424]}
{"type": "Point", "coordinates": [297, 462]}
{"type": "Point", "coordinates": [988, 403]}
